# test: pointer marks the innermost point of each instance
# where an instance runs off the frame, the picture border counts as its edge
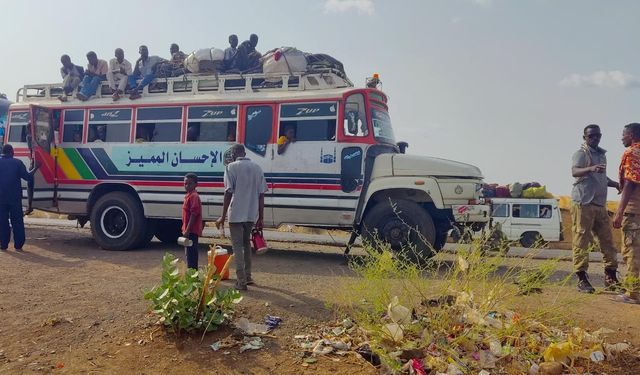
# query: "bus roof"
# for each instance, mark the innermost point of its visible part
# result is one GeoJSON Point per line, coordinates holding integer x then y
{"type": "Point", "coordinates": [193, 88]}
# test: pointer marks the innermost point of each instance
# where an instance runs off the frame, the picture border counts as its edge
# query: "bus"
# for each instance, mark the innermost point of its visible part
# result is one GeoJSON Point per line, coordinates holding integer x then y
{"type": "Point", "coordinates": [120, 165]}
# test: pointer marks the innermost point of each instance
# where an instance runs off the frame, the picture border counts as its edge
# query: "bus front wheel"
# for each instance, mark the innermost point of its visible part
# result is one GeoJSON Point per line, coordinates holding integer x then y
{"type": "Point", "coordinates": [117, 221]}
{"type": "Point", "coordinates": [404, 225]}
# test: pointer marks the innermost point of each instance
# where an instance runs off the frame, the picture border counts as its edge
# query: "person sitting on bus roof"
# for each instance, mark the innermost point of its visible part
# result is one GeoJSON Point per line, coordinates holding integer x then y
{"type": "Point", "coordinates": [230, 53]}
{"type": "Point", "coordinates": [119, 71]}
{"type": "Point", "coordinates": [247, 57]}
{"type": "Point", "coordinates": [145, 69]}
{"type": "Point", "coordinates": [71, 76]}
{"type": "Point", "coordinates": [286, 139]}
{"type": "Point", "coordinates": [96, 73]}
{"type": "Point", "coordinates": [177, 60]}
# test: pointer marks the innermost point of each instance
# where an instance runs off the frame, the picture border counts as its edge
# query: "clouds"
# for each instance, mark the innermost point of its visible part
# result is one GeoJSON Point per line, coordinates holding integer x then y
{"type": "Point", "coordinates": [605, 79]}
{"type": "Point", "coordinates": [483, 2]}
{"type": "Point", "coordinates": [342, 6]}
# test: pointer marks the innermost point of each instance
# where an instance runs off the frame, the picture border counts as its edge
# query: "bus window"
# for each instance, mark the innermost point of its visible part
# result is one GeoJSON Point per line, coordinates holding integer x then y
{"type": "Point", "coordinates": [109, 125]}
{"type": "Point", "coordinates": [309, 121]}
{"type": "Point", "coordinates": [72, 125]}
{"type": "Point", "coordinates": [500, 210]}
{"type": "Point", "coordinates": [159, 124]}
{"type": "Point", "coordinates": [525, 211]}
{"type": "Point", "coordinates": [212, 124]}
{"type": "Point", "coordinates": [355, 118]}
{"type": "Point", "coordinates": [258, 123]}
{"type": "Point", "coordinates": [382, 129]}
{"type": "Point", "coordinates": [18, 127]}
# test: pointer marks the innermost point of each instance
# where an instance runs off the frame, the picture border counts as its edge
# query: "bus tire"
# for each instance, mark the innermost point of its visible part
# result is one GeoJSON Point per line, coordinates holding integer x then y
{"type": "Point", "coordinates": [168, 231]}
{"type": "Point", "coordinates": [117, 221]}
{"type": "Point", "coordinates": [530, 239]}
{"type": "Point", "coordinates": [409, 225]}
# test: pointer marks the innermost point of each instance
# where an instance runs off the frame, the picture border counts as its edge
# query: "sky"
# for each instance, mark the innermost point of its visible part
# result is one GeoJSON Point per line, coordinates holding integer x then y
{"type": "Point", "coordinates": [505, 85]}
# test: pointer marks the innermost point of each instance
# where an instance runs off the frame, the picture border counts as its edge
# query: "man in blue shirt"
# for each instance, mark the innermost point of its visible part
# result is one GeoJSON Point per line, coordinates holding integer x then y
{"type": "Point", "coordinates": [13, 170]}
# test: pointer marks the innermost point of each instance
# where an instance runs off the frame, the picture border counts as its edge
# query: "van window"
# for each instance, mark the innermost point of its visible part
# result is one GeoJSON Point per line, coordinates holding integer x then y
{"type": "Point", "coordinates": [109, 125]}
{"type": "Point", "coordinates": [159, 124]}
{"type": "Point", "coordinates": [309, 121]}
{"type": "Point", "coordinates": [355, 117]}
{"type": "Point", "coordinates": [212, 124]}
{"type": "Point", "coordinates": [18, 127]}
{"type": "Point", "coordinates": [72, 125]}
{"type": "Point", "coordinates": [258, 123]}
{"type": "Point", "coordinates": [500, 210]}
{"type": "Point", "coordinates": [532, 211]}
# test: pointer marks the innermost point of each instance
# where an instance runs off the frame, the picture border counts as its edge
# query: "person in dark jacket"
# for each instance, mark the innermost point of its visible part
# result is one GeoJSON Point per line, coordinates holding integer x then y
{"type": "Point", "coordinates": [13, 170]}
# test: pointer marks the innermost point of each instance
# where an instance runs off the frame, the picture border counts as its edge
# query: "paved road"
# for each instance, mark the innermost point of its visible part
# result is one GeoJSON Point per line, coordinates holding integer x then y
{"type": "Point", "coordinates": [341, 240]}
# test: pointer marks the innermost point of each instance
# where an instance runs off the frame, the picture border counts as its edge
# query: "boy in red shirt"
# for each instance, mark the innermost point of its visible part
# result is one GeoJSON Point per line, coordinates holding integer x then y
{"type": "Point", "coordinates": [191, 218]}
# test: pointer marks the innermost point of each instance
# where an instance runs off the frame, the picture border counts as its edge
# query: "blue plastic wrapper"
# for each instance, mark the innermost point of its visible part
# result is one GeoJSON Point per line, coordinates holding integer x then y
{"type": "Point", "coordinates": [272, 321]}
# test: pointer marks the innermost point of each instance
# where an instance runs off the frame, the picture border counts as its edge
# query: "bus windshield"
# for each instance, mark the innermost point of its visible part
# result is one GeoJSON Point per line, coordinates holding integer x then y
{"type": "Point", "coordinates": [382, 129]}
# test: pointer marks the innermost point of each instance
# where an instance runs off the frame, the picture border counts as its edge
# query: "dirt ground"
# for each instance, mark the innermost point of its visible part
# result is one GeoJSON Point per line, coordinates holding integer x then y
{"type": "Point", "coordinates": [68, 307]}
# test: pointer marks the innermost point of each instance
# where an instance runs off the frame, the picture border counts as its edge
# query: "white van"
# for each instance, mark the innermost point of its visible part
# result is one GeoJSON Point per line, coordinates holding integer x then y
{"type": "Point", "coordinates": [528, 221]}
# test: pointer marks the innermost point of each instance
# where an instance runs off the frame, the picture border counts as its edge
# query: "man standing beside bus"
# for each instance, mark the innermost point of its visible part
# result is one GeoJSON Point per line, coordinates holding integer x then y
{"type": "Point", "coordinates": [191, 219]}
{"type": "Point", "coordinates": [628, 215]}
{"type": "Point", "coordinates": [245, 186]}
{"type": "Point", "coordinates": [589, 210]}
{"type": "Point", "coordinates": [13, 170]}
{"type": "Point", "coordinates": [96, 73]}
{"type": "Point", "coordinates": [118, 74]}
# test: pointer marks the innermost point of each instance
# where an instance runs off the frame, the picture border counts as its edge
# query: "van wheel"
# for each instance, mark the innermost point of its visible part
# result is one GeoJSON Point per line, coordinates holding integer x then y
{"type": "Point", "coordinates": [168, 231]}
{"type": "Point", "coordinates": [408, 226]}
{"type": "Point", "coordinates": [117, 221]}
{"type": "Point", "coordinates": [530, 239]}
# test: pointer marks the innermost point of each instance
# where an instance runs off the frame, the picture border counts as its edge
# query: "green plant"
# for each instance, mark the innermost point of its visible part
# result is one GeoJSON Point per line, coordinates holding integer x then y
{"type": "Point", "coordinates": [176, 300]}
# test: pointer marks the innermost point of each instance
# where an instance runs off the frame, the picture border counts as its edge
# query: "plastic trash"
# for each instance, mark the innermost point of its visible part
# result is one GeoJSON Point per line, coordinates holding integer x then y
{"type": "Point", "coordinates": [251, 343]}
{"type": "Point", "coordinates": [558, 352]}
{"type": "Point", "coordinates": [597, 356]}
{"type": "Point", "coordinates": [216, 346]}
{"type": "Point", "coordinates": [272, 321]}
{"type": "Point", "coordinates": [393, 331]}
{"type": "Point", "coordinates": [251, 328]}
{"type": "Point", "coordinates": [496, 348]}
{"type": "Point", "coordinates": [398, 313]}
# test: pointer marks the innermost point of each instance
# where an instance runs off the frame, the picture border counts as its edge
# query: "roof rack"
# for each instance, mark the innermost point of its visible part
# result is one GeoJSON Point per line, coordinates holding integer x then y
{"type": "Point", "coordinates": [210, 83]}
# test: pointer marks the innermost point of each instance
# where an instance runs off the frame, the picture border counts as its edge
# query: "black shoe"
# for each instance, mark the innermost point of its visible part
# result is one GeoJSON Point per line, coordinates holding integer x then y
{"type": "Point", "coordinates": [251, 282]}
{"type": "Point", "coordinates": [584, 286]}
{"type": "Point", "coordinates": [239, 286]}
{"type": "Point", "coordinates": [611, 281]}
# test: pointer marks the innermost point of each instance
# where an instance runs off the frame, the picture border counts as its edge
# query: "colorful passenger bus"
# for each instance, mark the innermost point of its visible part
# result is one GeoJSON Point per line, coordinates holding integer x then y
{"type": "Point", "coordinates": [120, 165]}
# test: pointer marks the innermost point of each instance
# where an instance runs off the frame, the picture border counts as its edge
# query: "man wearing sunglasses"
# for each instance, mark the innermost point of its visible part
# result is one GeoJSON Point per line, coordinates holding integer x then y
{"type": "Point", "coordinates": [589, 210]}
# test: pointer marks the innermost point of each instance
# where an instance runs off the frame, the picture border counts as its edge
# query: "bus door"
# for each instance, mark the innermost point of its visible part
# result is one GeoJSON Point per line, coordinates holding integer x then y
{"type": "Point", "coordinates": [257, 135]}
{"type": "Point", "coordinates": [43, 151]}
{"type": "Point", "coordinates": [306, 166]}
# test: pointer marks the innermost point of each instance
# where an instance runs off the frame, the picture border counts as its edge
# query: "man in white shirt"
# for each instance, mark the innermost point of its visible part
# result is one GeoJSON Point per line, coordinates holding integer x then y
{"type": "Point", "coordinates": [96, 73]}
{"type": "Point", "coordinates": [244, 186]}
{"type": "Point", "coordinates": [119, 71]}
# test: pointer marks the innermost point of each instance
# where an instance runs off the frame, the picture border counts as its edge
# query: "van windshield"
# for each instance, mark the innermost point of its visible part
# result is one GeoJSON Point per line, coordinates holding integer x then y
{"type": "Point", "coordinates": [382, 129]}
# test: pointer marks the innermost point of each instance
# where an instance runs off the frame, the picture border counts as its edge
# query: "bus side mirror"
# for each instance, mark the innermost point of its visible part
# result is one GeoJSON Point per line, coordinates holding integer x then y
{"type": "Point", "coordinates": [402, 146]}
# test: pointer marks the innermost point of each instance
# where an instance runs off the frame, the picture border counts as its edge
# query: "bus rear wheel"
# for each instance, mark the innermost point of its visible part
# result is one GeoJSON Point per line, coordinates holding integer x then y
{"type": "Point", "coordinates": [406, 227]}
{"type": "Point", "coordinates": [118, 222]}
{"type": "Point", "coordinates": [168, 231]}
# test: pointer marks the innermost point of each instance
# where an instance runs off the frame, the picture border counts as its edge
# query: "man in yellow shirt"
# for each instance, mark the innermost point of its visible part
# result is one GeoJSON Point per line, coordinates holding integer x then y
{"type": "Point", "coordinates": [286, 139]}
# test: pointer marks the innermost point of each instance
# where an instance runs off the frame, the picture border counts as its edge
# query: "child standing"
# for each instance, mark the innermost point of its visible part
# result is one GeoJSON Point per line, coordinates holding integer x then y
{"type": "Point", "coordinates": [191, 218]}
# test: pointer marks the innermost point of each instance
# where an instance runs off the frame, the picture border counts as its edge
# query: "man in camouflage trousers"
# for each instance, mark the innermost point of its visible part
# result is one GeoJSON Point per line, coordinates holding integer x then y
{"type": "Point", "coordinates": [628, 215]}
{"type": "Point", "coordinates": [589, 210]}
